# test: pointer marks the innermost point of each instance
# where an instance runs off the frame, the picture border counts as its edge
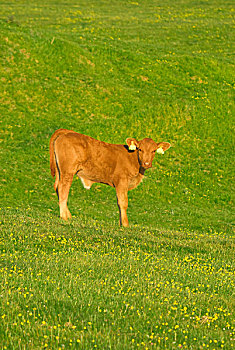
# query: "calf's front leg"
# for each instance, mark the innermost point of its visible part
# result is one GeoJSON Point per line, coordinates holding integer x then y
{"type": "Point", "coordinates": [122, 200]}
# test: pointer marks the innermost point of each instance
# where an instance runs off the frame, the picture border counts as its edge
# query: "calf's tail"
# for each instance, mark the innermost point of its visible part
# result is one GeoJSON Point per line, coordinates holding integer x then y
{"type": "Point", "coordinates": [56, 134]}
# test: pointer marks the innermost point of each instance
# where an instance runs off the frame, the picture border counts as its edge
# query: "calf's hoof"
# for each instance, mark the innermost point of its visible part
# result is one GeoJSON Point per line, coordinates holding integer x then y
{"type": "Point", "coordinates": [65, 215]}
{"type": "Point", "coordinates": [124, 224]}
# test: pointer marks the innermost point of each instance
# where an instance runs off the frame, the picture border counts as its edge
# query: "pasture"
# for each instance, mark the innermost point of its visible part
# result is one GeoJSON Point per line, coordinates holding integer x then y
{"type": "Point", "coordinates": [114, 69]}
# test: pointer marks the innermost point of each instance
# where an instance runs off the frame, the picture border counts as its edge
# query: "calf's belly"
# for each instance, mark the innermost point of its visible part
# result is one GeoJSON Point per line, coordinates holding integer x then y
{"type": "Point", "coordinates": [88, 178]}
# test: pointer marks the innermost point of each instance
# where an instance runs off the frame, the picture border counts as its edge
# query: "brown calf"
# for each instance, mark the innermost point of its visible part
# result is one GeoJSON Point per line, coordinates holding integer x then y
{"type": "Point", "coordinates": [119, 166]}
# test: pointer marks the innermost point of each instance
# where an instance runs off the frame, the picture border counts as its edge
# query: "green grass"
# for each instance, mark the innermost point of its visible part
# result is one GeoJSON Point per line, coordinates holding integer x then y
{"type": "Point", "coordinates": [112, 70]}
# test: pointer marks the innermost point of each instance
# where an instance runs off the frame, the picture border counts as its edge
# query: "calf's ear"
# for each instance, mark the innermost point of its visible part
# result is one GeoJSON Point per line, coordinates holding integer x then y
{"type": "Point", "coordinates": [163, 145]}
{"type": "Point", "coordinates": [132, 143]}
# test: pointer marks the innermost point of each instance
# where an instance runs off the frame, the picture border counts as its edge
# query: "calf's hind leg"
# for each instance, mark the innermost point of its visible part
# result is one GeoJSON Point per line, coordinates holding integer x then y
{"type": "Point", "coordinates": [64, 185]}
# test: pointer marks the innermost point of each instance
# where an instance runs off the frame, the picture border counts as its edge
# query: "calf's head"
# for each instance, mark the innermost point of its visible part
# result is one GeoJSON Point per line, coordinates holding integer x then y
{"type": "Point", "coordinates": [146, 149]}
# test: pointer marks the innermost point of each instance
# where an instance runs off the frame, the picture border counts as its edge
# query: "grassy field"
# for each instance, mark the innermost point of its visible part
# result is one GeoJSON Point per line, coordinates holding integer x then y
{"type": "Point", "coordinates": [112, 70]}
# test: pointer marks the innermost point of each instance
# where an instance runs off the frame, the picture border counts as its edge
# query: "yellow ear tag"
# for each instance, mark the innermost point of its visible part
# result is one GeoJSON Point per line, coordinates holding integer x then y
{"type": "Point", "coordinates": [160, 150]}
{"type": "Point", "coordinates": [132, 146]}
